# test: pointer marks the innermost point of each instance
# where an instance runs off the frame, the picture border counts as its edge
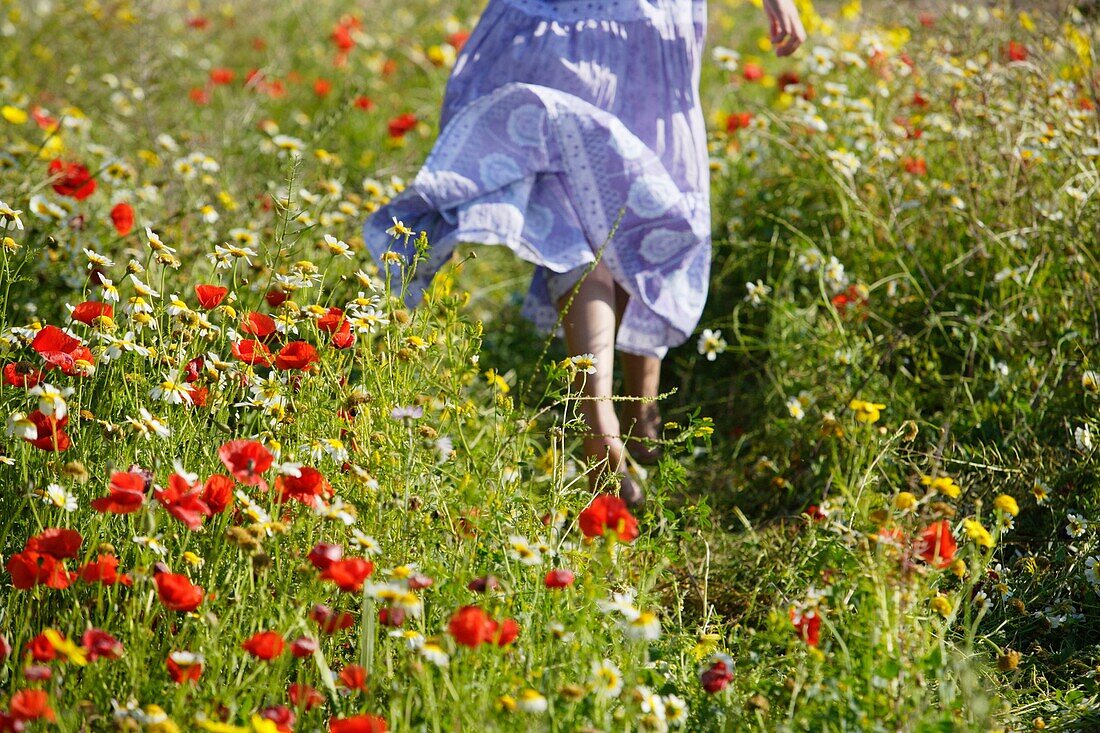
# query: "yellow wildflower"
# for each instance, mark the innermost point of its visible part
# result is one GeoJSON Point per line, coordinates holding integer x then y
{"type": "Point", "coordinates": [868, 412]}
{"type": "Point", "coordinates": [74, 653]}
{"type": "Point", "coordinates": [1006, 504]}
{"type": "Point", "coordinates": [942, 485]}
{"type": "Point", "coordinates": [904, 500]}
{"type": "Point", "coordinates": [978, 533]}
{"type": "Point", "coordinates": [495, 380]}
{"type": "Point", "coordinates": [941, 604]}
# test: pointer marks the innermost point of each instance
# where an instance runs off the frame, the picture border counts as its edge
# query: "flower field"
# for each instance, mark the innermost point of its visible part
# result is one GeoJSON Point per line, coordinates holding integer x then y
{"type": "Point", "coordinates": [245, 489]}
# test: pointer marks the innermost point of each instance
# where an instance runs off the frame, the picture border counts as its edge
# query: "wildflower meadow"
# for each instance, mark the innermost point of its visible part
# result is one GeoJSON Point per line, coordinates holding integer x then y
{"type": "Point", "coordinates": [243, 488]}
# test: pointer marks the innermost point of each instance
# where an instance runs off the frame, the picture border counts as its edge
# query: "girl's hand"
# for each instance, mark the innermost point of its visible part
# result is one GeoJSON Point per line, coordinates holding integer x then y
{"type": "Point", "coordinates": [787, 33]}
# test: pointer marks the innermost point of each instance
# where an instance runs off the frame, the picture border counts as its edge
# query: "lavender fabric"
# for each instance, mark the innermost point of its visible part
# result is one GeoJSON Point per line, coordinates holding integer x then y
{"type": "Point", "coordinates": [559, 115]}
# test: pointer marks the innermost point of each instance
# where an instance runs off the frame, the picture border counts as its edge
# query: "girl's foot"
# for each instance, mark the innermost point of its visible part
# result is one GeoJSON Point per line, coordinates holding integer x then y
{"type": "Point", "coordinates": [642, 421]}
{"type": "Point", "coordinates": [609, 455]}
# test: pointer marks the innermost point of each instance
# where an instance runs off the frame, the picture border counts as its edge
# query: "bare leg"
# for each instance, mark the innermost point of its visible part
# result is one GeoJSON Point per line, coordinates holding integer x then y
{"type": "Point", "coordinates": [589, 327]}
{"type": "Point", "coordinates": [641, 378]}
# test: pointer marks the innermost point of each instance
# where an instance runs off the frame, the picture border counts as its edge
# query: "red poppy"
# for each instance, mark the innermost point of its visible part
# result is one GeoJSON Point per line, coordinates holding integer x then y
{"type": "Point", "coordinates": [364, 103]}
{"type": "Point", "coordinates": [40, 649]}
{"type": "Point", "coordinates": [329, 621]}
{"type": "Point", "coordinates": [853, 297]}
{"type": "Point", "coordinates": [937, 545]}
{"type": "Point", "coordinates": [221, 75]}
{"type": "Point", "coordinates": [915, 166]}
{"type": "Point", "coordinates": [177, 592]}
{"type": "Point", "coordinates": [458, 39]}
{"type": "Point", "coordinates": [349, 574]}
{"type": "Point", "coordinates": [281, 716]}
{"type": "Point", "coordinates": [816, 513]}
{"type": "Point", "coordinates": [323, 555]}
{"type": "Point", "coordinates": [252, 352]}
{"type": "Point", "coordinates": [322, 87]}
{"type": "Point", "coordinates": [184, 501]}
{"type": "Point", "coordinates": [1016, 51]}
{"type": "Point", "coordinates": [104, 569]}
{"type": "Point", "coordinates": [29, 569]}
{"type": "Point", "coordinates": [354, 677]}
{"type": "Point", "coordinates": [210, 296]}
{"type": "Point", "coordinates": [51, 435]}
{"type": "Point", "coordinates": [100, 644]}
{"type": "Point", "coordinates": [808, 625]}
{"type": "Point", "coordinates": [246, 460]}
{"type": "Point", "coordinates": [788, 78]}
{"type": "Point", "coordinates": [183, 667]}
{"type": "Point", "coordinates": [716, 677]}
{"type": "Point", "coordinates": [127, 494]}
{"type": "Point", "coordinates": [22, 374]}
{"type": "Point", "coordinates": [358, 724]}
{"type": "Point", "coordinates": [60, 349]}
{"type": "Point", "coordinates": [738, 121]}
{"type": "Point", "coordinates": [122, 216]}
{"type": "Point", "coordinates": [505, 632]}
{"type": "Point", "coordinates": [275, 297]}
{"type": "Point", "coordinates": [470, 626]}
{"type": "Point", "coordinates": [90, 310]}
{"type": "Point", "coordinates": [752, 71]}
{"type": "Point", "coordinates": [296, 355]}
{"type": "Point", "coordinates": [198, 394]}
{"type": "Point", "coordinates": [400, 125]}
{"type": "Point", "coordinates": [43, 119]}
{"type": "Point", "coordinates": [57, 542]}
{"type": "Point", "coordinates": [31, 705]}
{"type": "Point", "coordinates": [308, 484]}
{"type": "Point", "coordinates": [343, 338]}
{"type": "Point", "coordinates": [608, 512]}
{"type": "Point", "coordinates": [304, 696]}
{"type": "Point", "coordinates": [332, 320]}
{"type": "Point", "coordinates": [303, 646]}
{"type": "Point", "coordinates": [217, 492]}
{"type": "Point", "coordinates": [71, 179]}
{"type": "Point", "coordinates": [260, 325]}
{"type": "Point", "coordinates": [559, 578]}
{"type": "Point", "coordinates": [265, 645]}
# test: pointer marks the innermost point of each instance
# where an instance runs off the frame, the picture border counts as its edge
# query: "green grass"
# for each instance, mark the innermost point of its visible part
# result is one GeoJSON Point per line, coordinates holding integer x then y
{"type": "Point", "coordinates": [970, 271]}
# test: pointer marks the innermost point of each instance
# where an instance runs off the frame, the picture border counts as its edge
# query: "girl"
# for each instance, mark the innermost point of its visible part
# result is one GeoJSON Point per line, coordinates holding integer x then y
{"type": "Point", "coordinates": [572, 132]}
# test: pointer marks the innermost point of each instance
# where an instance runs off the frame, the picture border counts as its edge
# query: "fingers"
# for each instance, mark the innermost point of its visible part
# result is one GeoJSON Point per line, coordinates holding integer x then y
{"type": "Point", "coordinates": [793, 34]}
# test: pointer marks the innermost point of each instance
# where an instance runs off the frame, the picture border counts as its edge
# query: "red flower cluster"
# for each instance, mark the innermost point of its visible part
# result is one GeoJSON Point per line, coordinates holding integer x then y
{"type": "Point", "coordinates": [470, 626]}
{"type": "Point", "coordinates": [265, 645]}
{"type": "Point", "coordinates": [247, 460]}
{"type": "Point", "coordinates": [936, 545]}
{"type": "Point", "coordinates": [62, 351]}
{"type": "Point", "coordinates": [358, 724]}
{"type": "Point", "coordinates": [807, 623]}
{"type": "Point", "coordinates": [127, 494]}
{"type": "Point", "coordinates": [305, 487]}
{"type": "Point", "coordinates": [178, 593]}
{"type": "Point", "coordinates": [42, 561]}
{"type": "Point", "coordinates": [605, 513]}
{"type": "Point", "coordinates": [719, 674]}
{"type": "Point", "coordinates": [71, 179]}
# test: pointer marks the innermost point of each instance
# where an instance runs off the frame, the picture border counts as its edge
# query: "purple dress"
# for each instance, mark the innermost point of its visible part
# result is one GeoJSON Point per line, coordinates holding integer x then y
{"type": "Point", "coordinates": [558, 116]}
